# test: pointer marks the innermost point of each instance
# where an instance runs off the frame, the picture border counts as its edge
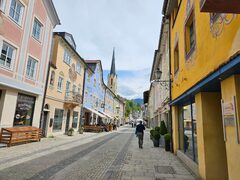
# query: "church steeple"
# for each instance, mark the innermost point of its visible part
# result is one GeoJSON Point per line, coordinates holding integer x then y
{"type": "Point", "coordinates": [113, 69]}
{"type": "Point", "coordinates": [112, 77]}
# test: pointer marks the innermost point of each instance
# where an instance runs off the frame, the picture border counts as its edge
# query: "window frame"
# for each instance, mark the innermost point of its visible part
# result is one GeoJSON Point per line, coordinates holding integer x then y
{"type": "Point", "coordinates": [2, 5]}
{"type": "Point", "coordinates": [176, 70]}
{"type": "Point", "coordinates": [78, 67]}
{"type": "Point", "coordinates": [40, 32]}
{"type": "Point", "coordinates": [67, 57]}
{"type": "Point", "coordinates": [61, 87]}
{"type": "Point", "coordinates": [187, 36]}
{"type": "Point", "coordinates": [13, 58]}
{"type": "Point", "coordinates": [18, 2]}
{"type": "Point", "coordinates": [34, 68]}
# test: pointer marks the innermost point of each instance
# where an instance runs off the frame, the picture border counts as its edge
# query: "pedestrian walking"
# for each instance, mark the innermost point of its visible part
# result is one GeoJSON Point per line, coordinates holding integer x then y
{"type": "Point", "coordinates": [140, 133]}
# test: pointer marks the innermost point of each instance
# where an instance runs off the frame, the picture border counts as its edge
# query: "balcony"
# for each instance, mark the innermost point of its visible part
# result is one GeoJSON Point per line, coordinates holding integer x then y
{"type": "Point", "coordinates": [220, 6]}
{"type": "Point", "coordinates": [72, 99]}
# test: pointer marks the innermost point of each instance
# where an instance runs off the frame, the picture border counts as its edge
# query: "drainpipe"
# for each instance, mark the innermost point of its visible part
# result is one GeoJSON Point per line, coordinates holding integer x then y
{"type": "Point", "coordinates": [170, 81]}
{"type": "Point", "coordinates": [84, 78]}
{"type": "Point", "coordinates": [44, 97]}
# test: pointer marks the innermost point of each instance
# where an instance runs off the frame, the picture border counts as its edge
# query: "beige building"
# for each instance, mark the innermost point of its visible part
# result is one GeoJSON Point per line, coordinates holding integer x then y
{"type": "Point", "coordinates": [63, 102]}
{"type": "Point", "coordinates": [160, 79]}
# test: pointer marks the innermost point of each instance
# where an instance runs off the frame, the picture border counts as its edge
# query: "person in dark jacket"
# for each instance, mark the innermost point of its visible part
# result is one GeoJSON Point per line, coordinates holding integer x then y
{"type": "Point", "coordinates": [140, 133]}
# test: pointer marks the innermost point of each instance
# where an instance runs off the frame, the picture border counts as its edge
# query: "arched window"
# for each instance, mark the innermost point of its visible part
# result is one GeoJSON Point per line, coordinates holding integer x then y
{"type": "Point", "coordinates": [52, 78]}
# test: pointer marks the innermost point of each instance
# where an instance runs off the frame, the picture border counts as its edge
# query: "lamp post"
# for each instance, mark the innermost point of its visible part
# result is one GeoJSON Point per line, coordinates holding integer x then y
{"type": "Point", "coordinates": [158, 75]}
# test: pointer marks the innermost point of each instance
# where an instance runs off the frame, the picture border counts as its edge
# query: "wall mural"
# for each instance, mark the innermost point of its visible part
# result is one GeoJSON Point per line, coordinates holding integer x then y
{"type": "Point", "coordinates": [217, 24]}
{"type": "Point", "coordinates": [72, 73]}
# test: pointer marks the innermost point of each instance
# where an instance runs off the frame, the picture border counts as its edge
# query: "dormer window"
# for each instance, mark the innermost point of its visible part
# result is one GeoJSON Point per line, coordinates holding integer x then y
{"type": "Point", "coordinates": [67, 57]}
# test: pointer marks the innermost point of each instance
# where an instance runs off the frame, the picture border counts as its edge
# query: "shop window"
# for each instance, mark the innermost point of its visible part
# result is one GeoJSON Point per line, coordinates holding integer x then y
{"type": "Point", "coordinates": [75, 119]}
{"type": "Point", "coordinates": [188, 132]}
{"type": "Point", "coordinates": [58, 118]}
{"type": "Point", "coordinates": [52, 79]}
{"type": "Point", "coordinates": [176, 58]}
{"type": "Point", "coordinates": [190, 35]}
{"type": "Point", "coordinates": [24, 110]}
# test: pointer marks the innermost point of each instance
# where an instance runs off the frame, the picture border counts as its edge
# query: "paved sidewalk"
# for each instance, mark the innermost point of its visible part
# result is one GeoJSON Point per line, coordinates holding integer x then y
{"type": "Point", "coordinates": [10, 156]}
{"type": "Point", "coordinates": [152, 163]}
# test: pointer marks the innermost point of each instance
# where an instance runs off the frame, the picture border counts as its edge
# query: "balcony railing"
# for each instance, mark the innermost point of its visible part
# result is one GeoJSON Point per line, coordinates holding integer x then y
{"type": "Point", "coordinates": [73, 97]}
{"type": "Point", "coordinates": [220, 6]}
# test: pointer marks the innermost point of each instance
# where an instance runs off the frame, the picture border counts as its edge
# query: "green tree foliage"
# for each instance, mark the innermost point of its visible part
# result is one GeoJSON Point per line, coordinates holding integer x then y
{"type": "Point", "coordinates": [131, 107]}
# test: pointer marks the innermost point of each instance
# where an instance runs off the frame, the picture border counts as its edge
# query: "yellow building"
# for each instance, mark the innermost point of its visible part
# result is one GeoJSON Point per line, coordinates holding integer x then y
{"type": "Point", "coordinates": [205, 67]}
{"type": "Point", "coordinates": [63, 102]}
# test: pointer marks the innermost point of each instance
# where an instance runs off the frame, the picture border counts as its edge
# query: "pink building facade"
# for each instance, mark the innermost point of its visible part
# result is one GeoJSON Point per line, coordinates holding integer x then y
{"type": "Point", "coordinates": [25, 44]}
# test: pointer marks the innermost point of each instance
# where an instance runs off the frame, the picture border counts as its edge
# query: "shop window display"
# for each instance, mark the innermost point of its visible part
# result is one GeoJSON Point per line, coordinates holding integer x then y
{"type": "Point", "coordinates": [58, 118]}
{"type": "Point", "coordinates": [24, 110]}
{"type": "Point", "coordinates": [188, 132]}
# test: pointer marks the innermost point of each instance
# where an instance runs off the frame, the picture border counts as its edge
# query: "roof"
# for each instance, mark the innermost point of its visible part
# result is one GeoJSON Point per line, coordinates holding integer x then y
{"type": "Point", "coordinates": [62, 35]}
{"type": "Point", "coordinates": [52, 12]}
{"type": "Point", "coordinates": [113, 69]}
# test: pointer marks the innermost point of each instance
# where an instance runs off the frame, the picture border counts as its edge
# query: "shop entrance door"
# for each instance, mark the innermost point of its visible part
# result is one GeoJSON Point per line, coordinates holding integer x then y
{"type": "Point", "coordinates": [67, 121]}
{"type": "Point", "coordinates": [45, 119]}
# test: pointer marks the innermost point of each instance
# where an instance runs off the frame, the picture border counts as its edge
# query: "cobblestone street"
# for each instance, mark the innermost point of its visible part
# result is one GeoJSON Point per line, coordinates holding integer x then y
{"type": "Point", "coordinates": [91, 156]}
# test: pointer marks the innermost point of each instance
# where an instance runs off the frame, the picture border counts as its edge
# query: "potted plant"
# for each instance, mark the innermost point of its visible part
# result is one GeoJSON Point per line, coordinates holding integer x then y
{"type": "Point", "coordinates": [151, 134]}
{"type": "Point", "coordinates": [163, 128]}
{"type": "Point", "coordinates": [80, 130]}
{"type": "Point", "coordinates": [70, 132]}
{"type": "Point", "coordinates": [167, 138]}
{"type": "Point", "coordinates": [155, 138]}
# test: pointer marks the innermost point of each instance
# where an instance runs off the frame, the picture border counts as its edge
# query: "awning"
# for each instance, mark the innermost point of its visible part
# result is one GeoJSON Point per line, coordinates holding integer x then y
{"type": "Point", "coordinates": [107, 115]}
{"type": "Point", "coordinates": [95, 112]}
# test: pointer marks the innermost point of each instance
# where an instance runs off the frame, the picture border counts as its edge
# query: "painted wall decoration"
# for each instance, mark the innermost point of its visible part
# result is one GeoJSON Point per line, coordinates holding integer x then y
{"type": "Point", "coordinates": [219, 21]}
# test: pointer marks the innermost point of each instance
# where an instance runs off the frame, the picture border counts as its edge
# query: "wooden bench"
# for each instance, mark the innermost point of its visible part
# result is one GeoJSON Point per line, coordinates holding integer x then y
{"type": "Point", "coordinates": [93, 128]}
{"type": "Point", "coordinates": [15, 135]}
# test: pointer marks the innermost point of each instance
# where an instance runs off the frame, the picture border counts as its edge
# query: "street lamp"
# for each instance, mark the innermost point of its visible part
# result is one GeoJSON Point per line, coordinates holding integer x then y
{"type": "Point", "coordinates": [158, 75]}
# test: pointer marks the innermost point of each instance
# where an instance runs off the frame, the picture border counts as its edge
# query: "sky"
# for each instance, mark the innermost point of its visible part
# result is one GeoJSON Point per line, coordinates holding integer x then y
{"type": "Point", "coordinates": [131, 26]}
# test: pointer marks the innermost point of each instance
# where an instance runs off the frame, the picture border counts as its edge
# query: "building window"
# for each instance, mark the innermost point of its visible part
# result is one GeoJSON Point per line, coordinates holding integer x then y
{"type": "Point", "coordinates": [60, 83]}
{"type": "Point", "coordinates": [7, 55]}
{"type": "Point", "coordinates": [52, 79]}
{"type": "Point", "coordinates": [67, 57]}
{"type": "Point", "coordinates": [37, 28]}
{"type": "Point", "coordinates": [176, 58]}
{"type": "Point", "coordinates": [2, 5]}
{"type": "Point", "coordinates": [16, 11]}
{"type": "Point", "coordinates": [68, 88]}
{"type": "Point", "coordinates": [190, 35]}
{"type": "Point", "coordinates": [31, 68]}
{"type": "Point", "coordinates": [58, 118]}
{"type": "Point", "coordinates": [75, 119]}
{"type": "Point", "coordinates": [78, 68]}
{"type": "Point", "coordinates": [88, 78]}
{"type": "Point", "coordinates": [74, 88]}
{"type": "Point", "coordinates": [24, 110]}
